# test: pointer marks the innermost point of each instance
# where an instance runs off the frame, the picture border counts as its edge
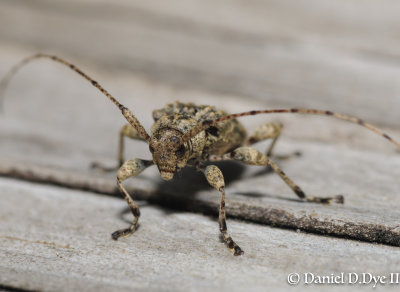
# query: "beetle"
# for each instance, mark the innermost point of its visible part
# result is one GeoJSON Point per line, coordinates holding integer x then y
{"type": "Point", "coordinates": [189, 135]}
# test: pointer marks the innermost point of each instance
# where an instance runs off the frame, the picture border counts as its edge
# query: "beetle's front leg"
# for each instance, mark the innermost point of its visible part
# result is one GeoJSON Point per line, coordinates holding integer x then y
{"type": "Point", "coordinates": [129, 169]}
{"type": "Point", "coordinates": [299, 192]}
{"type": "Point", "coordinates": [216, 180]}
{"type": "Point", "coordinates": [252, 156]}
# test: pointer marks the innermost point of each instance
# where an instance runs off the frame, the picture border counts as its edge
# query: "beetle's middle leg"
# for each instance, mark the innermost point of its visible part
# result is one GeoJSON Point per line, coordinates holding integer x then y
{"type": "Point", "coordinates": [129, 169]}
{"type": "Point", "coordinates": [252, 156]}
{"type": "Point", "coordinates": [216, 180]}
{"type": "Point", "coordinates": [269, 131]}
{"type": "Point", "coordinates": [126, 131]}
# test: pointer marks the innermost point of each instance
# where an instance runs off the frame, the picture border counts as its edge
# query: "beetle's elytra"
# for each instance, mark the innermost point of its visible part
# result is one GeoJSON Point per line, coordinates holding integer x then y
{"type": "Point", "coordinates": [185, 134]}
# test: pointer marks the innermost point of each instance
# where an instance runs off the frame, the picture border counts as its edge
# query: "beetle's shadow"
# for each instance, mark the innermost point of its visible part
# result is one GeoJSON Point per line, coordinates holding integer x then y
{"type": "Point", "coordinates": [187, 183]}
{"type": "Point", "coordinates": [189, 180]}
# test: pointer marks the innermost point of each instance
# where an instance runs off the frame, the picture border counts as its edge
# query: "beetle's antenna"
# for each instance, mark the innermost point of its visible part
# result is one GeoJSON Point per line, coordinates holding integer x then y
{"type": "Point", "coordinates": [208, 123]}
{"type": "Point", "coordinates": [129, 116]}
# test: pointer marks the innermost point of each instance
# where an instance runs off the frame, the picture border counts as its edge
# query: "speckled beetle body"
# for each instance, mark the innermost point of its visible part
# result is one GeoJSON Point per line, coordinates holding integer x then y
{"type": "Point", "coordinates": [216, 140]}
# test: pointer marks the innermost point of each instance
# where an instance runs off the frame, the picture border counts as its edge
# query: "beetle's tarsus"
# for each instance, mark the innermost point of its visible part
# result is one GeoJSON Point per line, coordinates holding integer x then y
{"type": "Point", "coordinates": [339, 199]}
{"type": "Point", "coordinates": [238, 251]}
{"type": "Point", "coordinates": [123, 232]}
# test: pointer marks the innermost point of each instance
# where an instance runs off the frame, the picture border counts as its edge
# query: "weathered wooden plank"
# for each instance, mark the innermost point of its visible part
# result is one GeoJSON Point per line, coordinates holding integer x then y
{"type": "Point", "coordinates": [379, 224]}
{"type": "Point", "coordinates": [341, 54]}
{"type": "Point", "coordinates": [59, 240]}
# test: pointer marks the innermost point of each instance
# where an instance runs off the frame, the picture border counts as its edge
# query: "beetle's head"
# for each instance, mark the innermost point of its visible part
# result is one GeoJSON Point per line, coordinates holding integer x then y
{"type": "Point", "coordinates": [170, 154]}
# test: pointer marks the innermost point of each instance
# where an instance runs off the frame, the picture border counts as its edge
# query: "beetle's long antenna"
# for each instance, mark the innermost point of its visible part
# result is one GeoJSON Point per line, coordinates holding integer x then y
{"type": "Point", "coordinates": [129, 116]}
{"type": "Point", "coordinates": [208, 123]}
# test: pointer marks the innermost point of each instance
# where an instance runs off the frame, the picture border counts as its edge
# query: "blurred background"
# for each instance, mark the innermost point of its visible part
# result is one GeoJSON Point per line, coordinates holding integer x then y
{"type": "Point", "coordinates": [238, 55]}
{"type": "Point", "coordinates": [308, 53]}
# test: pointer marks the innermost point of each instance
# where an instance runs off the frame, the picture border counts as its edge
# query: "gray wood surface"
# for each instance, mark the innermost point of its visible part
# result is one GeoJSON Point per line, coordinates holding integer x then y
{"type": "Point", "coordinates": [309, 53]}
{"type": "Point", "coordinates": [340, 56]}
{"type": "Point", "coordinates": [59, 239]}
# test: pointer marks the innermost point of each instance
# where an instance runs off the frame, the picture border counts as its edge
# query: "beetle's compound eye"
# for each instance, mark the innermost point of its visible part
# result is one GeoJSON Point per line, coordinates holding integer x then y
{"type": "Point", "coordinates": [174, 139]}
{"type": "Point", "coordinates": [180, 151]}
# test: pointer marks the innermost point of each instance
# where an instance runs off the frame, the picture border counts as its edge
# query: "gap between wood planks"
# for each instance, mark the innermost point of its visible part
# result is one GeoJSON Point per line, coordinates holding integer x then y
{"type": "Point", "coordinates": [313, 218]}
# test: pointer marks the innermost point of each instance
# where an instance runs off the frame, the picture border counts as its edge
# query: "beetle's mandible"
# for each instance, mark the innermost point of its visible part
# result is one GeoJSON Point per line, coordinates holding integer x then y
{"type": "Point", "coordinates": [185, 134]}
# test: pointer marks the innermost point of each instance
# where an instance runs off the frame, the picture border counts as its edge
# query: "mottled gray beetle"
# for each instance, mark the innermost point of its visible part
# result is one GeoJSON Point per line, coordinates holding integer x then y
{"type": "Point", "coordinates": [190, 135]}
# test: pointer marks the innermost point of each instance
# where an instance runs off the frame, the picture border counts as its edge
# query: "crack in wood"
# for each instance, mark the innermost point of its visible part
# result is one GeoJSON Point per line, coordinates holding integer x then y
{"type": "Point", "coordinates": [277, 216]}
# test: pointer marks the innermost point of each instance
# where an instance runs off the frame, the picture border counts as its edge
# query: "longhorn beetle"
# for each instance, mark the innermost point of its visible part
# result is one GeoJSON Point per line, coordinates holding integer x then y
{"type": "Point", "coordinates": [190, 135]}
